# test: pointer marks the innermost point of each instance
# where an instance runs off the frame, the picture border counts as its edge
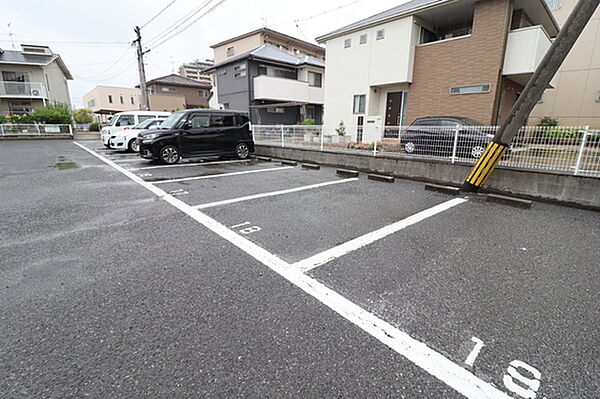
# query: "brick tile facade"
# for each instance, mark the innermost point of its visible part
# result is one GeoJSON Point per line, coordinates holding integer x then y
{"type": "Point", "coordinates": [472, 60]}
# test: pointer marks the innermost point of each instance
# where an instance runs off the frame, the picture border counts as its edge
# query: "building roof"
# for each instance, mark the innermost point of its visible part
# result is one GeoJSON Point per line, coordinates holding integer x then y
{"type": "Point", "coordinates": [270, 53]}
{"type": "Point", "coordinates": [178, 80]}
{"type": "Point", "coordinates": [271, 32]}
{"type": "Point", "coordinates": [413, 6]}
{"type": "Point", "coordinates": [20, 58]}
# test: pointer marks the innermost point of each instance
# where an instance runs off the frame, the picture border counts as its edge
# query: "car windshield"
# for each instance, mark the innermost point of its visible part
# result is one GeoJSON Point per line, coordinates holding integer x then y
{"type": "Point", "coordinates": [145, 124]}
{"type": "Point", "coordinates": [471, 122]}
{"type": "Point", "coordinates": [172, 121]}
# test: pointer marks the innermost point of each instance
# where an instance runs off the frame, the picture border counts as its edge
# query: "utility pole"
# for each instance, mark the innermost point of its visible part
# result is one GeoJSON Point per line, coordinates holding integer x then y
{"type": "Point", "coordinates": [141, 69]}
{"type": "Point", "coordinates": [554, 58]}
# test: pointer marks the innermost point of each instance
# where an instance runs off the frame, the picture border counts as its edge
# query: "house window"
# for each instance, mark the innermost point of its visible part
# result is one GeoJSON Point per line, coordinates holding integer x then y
{"type": "Point", "coordinates": [230, 51]}
{"type": "Point", "coordinates": [122, 99]}
{"type": "Point", "coordinates": [239, 67]}
{"type": "Point", "coordinates": [276, 110]}
{"type": "Point", "coordinates": [315, 79]}
{"type": "Point", "coordinates": [20, 107]}
{"type": "Point", "coordinates": [91, 103]}
{"type": "Point", "coordinates": [359, 104]}
{"type": "Point", "coordinates": [202, 93]}
{"type": "Point", "coordinates": [347, 43]}
{"type": "Point", "coordinates": [363, 39]}
{"type": "Point", "coordinates": [381, 34]}
{"type": "Point", "coordinates": [470, 89]}
{"type": "Point", "coordinates": [169, 89]}
{"type": "Point", "coordinates": [240, 74]}
{"type": "Point", "coordinates": [132, 101]}
{"type": "Point", "coordinates": [109, 99]}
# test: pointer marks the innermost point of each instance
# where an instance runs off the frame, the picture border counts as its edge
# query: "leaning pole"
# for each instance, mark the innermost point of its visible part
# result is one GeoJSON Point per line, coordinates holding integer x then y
{"type": "Point", "coordinates": [552, 61]}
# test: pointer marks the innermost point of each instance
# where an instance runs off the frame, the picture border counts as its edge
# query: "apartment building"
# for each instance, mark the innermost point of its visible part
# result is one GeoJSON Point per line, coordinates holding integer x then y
{"type": "Point", "coordinates": [196, 70]}
{"type": "Point", "coordinates": [275, 86]}
{"type": "Point", "coordinates": [252, 40]}
{"type": "Point", "coordinates": [173, 92]}
{"type": "Point", "coordinates": [105, 101]}
{"type": "Point", "coordinates": [31, 78]}
{"type": "Point", "coordinates": [433, 58]}
{"type": "Point", "coordinates": [576, 98]}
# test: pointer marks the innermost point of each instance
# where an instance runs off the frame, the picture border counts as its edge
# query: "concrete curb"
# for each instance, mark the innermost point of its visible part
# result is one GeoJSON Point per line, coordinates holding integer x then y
{"type": "Point", "coordinates": [289, 163]}
{"type": "Point", "coordinates": [347, 173]}
{"type": "Point", "coordinates": [443, 189]}
{"type": "Point", "coordinates": [310, 166]}
{"type": "Point", "coordinates": [516, 202]}
{"type": "Point", "coordinates": [266, 159]}
{"type": "Point", "coordinates": [382, 178]}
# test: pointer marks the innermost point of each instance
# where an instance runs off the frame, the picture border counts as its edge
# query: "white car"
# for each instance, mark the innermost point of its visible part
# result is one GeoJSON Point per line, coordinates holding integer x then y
{"type": "Point", "coordinates": [127, 139]}
{"type": "Point", "coordinates": [125, 121]}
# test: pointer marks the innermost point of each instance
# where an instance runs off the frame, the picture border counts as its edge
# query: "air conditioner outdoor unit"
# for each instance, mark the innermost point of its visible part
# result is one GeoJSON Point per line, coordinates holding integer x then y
{"type": "Point", "coordinates": [35, 92]}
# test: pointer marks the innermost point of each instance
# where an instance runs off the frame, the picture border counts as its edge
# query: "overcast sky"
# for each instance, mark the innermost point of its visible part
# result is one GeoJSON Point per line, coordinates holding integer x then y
{"type": "Point", "coordinates": [56, 21]}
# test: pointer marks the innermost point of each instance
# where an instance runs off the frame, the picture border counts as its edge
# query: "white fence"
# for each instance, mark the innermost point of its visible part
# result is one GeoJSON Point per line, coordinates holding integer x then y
{"type": "Point", "coordinates": [19, 129]}
{"type": "Point", "coordinates": [565, 149]}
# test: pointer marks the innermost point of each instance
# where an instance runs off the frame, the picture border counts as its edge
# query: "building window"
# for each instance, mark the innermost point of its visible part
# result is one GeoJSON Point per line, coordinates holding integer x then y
{"type": "Point", "coordinates": [470, 89]}
{"type": "Point", "coordinates": [347, 43]}
{"type": "Point", "coordinates": [109, 99]}
{"type": "Point", "coordinates": [122, 99]}
{"type": "Point", "coordinates": [230, 51]}
{"type": "Point", "coordinates": [169, 89]}
{"type": "Point", "coordinates": [363, 39]}
{"type": "Point", "coordinates": [20, 107]}
{"type": "Point", "coordinates": [381, 34]}
{"type": "Point", "coordinates": [315, 79]}
{"type": "Point", "coordinates": [276, 110]}
{"type": "Point", "coordinates": [359, 104]}
{"type": "Point", "coordinates": [132, 101]}
{"type": "Point", "coordinates": [554, 4]}
{"type": "Point", "coordinates": [91, 103]}
{"type": "Point", "coordinates": [240, 74]}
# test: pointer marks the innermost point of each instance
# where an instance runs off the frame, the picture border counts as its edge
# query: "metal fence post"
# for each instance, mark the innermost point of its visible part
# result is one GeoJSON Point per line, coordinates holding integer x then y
{"type": "Point", "coordinates": [37, 127]}
{"type": "Point", "coordinates": [581, 150]}
{"type": "Point", "coordinates": [1, 130]}
{"type": "Point", "coordinates": [71, 130]}
{"type": "Point", "coordinates": [455, 145]}
{"type": "Point", "coordinates": [375, 149]}
{"type": "Point", "coordinates": [282, 137]}
{"type": "Point", "coordinates": [322, 138]}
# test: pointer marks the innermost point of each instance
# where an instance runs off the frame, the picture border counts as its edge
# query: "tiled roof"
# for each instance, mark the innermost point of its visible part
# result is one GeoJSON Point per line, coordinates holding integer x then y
{"type": "Point", "coordinates": [402, 9]}
{"type": "Point", "coordinates": [17, 57]}
{"type": "Point", "coordinates": [177, 80]}
{"type": "Point", "coordinates": [269, 53]}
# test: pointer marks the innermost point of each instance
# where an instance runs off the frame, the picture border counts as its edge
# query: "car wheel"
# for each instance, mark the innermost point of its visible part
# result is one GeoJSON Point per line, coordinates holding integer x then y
{"type": "Point", "coordinates": [169, 155]}
{"type": "Point", "coordinates": [410, 147]}
{"type": "Point", "coordinates": [242, 151]}
{"type": "Point", "coordinates": [477, 151]}
{"type": "Point", "coordinates": [133, 146]}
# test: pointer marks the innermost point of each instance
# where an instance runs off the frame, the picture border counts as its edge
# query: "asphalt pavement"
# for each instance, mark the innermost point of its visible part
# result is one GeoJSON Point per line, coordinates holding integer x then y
{"type": "Point", "coordinates": [217, 279]}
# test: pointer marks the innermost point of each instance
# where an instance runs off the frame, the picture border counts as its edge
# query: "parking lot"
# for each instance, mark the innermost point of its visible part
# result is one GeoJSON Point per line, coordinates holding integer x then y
{"type": "Point", "coordinates": [225, 278]}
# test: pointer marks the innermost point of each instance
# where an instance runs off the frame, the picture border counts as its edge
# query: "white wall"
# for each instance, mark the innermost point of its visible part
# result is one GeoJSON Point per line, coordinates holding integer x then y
{"type": "Point", "coordinates": [353, 71]}
{"type": "Point", "coordinates": [525, 49]}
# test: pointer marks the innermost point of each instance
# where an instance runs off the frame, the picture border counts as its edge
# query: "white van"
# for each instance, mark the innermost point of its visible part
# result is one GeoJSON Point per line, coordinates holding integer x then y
{"type": "Point", "coordinates": [125, 121]}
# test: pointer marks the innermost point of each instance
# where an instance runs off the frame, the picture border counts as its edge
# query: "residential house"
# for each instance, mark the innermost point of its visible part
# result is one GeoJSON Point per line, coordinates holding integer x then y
{"type": "Point", "coordinates": [174, 92]}
{"type": "Point", "coordinates": [196, 70]}
{"type": "Point", "coordinates": [32, 78]}
{"type": "Point", "coordinates": [252, 40]}
{"type": "Point", "coordinates": [275, 86]}
{"type": "Point", "coordinates": [105, 101]}
{"type": "Point", "coordinates": [576, 98]}
{"type": "Point", "coordinates": [468, 58]}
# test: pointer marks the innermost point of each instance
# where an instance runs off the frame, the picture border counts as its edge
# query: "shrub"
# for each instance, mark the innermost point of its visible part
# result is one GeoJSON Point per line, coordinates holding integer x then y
{"type": "Point", "coordinates": [341, 130]}
{"type": "Point", "coordinates": [3, 119]}
{"type": "Point", "coordinates": [19, 119]}
{"type": "Point", "coordinates": [308, 122]}
{"type": "Point", "coordinates": [83, 115]}
{"type": "Point", "coordinates": [53, 114]}
{"type": "Point", "coordinates": [547, 121]}
{"type": "Point", "coordinates": [94, 127]}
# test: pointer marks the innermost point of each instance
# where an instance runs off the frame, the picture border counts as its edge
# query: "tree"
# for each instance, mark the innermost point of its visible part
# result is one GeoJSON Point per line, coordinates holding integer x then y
{"type": "Point", "coordinates": [53, 114]}
{"type": "Point", "coordinates": [83, 115]}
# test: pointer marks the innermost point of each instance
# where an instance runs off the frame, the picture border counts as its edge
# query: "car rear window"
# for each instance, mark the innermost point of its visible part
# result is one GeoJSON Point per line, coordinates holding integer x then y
{"type": "Point", "coordinates": [222, 121]}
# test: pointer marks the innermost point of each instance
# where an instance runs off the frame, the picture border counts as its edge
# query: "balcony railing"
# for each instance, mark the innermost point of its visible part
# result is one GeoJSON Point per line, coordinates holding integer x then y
{"type": "Point", "coordinates": [525, 50]}
{"type": "Point", "coordinates": [281, 89]}
{"type": "Point", "coordinates": [22, 90]}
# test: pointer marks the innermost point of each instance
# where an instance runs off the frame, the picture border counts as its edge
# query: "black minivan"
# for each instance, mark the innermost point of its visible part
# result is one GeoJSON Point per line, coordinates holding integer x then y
{"type": "Point", "coordinates": [196, 133]}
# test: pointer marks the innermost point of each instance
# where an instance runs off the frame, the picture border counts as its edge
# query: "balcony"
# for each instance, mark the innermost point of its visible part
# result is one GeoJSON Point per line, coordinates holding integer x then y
{"type": "Point", "coordinates": [525, 50]}
{"type": "Point", "coordinates": [23, 90]}
{"type": "Point", "coordinates": [281, 89]}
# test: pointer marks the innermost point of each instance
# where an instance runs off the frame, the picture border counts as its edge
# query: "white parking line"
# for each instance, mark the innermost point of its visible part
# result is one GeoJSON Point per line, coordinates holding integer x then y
{"type": "Point", "coordinates": [246, 172]}
{"type": "Point", "coordinates": [460, 379]}
{"type": "Point", "coordinates": [181, 165]}
{"type": "Point", "coordinates": [359, 242]}
{"type": "Point", "coordinates": [273, 193]}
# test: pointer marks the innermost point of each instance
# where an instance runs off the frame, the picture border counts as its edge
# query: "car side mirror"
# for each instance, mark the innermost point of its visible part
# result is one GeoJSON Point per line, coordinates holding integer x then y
{"type": "Point", "coordinates": [187, 126]}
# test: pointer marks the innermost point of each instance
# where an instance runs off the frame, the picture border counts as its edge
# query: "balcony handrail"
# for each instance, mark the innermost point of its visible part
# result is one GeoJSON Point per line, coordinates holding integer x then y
{"type": "Point", "coordinates": [25, 89]}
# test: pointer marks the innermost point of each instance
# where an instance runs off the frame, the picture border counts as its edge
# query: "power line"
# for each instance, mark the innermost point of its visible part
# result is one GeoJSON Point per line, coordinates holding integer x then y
{"type": "Point", "coordinates": [98, 75]}
{"type": "Point", "coordinates": [178, 23]}
{"type": "Point", "coordinates": [328, 11]}
{"type": "Point", "coordinates": [160, 12]}
{"type": "Point", "coordinates": [189, 25]}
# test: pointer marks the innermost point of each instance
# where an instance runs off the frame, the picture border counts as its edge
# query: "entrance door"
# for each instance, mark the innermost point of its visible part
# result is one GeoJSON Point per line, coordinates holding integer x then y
{"type": "Point", "coordinates": [359, 129]}
{"type": "Point", "coordinates": [393, 112]}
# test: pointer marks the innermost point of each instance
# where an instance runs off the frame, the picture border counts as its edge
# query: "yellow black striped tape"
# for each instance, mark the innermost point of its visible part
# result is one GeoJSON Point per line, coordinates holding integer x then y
{"type": "Point", "coordinates": [486, 164]}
